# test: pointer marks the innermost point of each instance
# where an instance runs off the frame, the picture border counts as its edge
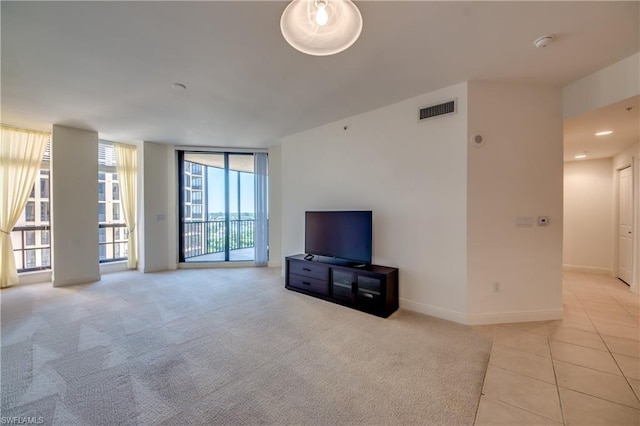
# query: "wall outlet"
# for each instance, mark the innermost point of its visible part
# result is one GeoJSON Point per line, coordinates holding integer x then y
{"type": "Point", "coordinates": [496, 287]}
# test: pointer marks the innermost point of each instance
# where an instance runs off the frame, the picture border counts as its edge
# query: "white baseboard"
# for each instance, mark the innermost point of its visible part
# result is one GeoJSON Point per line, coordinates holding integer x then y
{"type": "Point", "coordinates": [434, 311]}
{"type": "Point", "coordinates": [588, 269]}
{"type": "Point", "coordinates": [75, 280]}
{"type": "Point", "coordinates": [507, 317]}
{"type": "Point", "coordinates": [479, 319]}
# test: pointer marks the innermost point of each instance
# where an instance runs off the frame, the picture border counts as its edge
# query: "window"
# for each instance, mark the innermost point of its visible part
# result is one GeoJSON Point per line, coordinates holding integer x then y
{"type": "Point", "coordinates": [187, 211]}
{"type": "Point", "coordinates": [30, 211]}
{"type": "Point", "coordinates": [116, 251]}
{"type": "Point", "coordinates": [44, 211]}
{"type": "Point", "coordinates": [196, 169]}
{"type": "Point", "coordinates": [29, 259]}
{"type": "Point", "coordinates": [46, 257]}
{"type": "Point", "coordinates": [197, 197]}
{"type": "Point", "coordinates": [102, 235]}
{"type": "Point", "coordinates": [102, 216]}
{"type": "Point", "coordinates": [102, 251]}
{"type": "Point", "coordinates": [116, 234]}
{"type": "Point", "coordinates": [187, 196]}
{"type": "Point", "coordinates": [44, 188]}
{"type": "Point", "coordinates": [116, 211]}
{"type": "Point", "coordinates": [196, 211]}
{"type": "Point", "coordinates": [31, 241]}
{"type": "Point", "coordinates": [187, 181]}
{"type": "Point", "coordinates": [101, 195]}
{"type": "Point", "coordinates": [196, 183]}
{"type": "Point", "coordinates": [115, 191]}
{"type": "Point", "coordinates": [101, 176]}
{"type": "Point", "coordinates": [114, 176]}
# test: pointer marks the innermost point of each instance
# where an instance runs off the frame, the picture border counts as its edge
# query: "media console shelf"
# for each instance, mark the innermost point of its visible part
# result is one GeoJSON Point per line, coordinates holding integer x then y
{"type": "Point", "coordinates": [371, 288]}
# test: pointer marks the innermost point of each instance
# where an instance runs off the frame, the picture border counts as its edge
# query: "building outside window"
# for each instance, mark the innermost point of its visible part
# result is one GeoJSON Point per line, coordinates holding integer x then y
{"type": "Point", "coordinates": [101, 192]}
{"type": "Point", "coordinates": [110, 215]}
{"type": "Point", "coordinates": [44, 211]}
{"type": "Point", "coordinates": [102, 215]}
{"type": "Point", "coordinates": [44, 188]}
{"type": "Point", "coordinates": [196, 197]}
{"type": "Point", "coordinates": [30, 259]}
{"type": "Point", "coordinates": [30, 211]}
{"type": "Point", "coordinates": [46, 257]}
{"type": "Point", "coordinates": [30, 238]}
{"type": "Point", "coordinates": [196, 182]}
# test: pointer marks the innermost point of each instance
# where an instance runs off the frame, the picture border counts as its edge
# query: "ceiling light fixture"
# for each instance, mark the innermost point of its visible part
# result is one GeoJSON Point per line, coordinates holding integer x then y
{"type": "Point", "coordinates": [581, 156]}
{"type": "Point", "coordinates": [321, 27]}
{"type": "Point", "coordinates": [604, 133]}
{"type": "Point", "coordinates": [543, 41]}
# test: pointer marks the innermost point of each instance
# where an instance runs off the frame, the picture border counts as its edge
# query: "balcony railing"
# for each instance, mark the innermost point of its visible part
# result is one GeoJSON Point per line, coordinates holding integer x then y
{"type": "Point", "coordinates": [32, 247]}
{"type": "Point", "coordinates": [113, 242]}
{"type": "Point", "coordinates": [207, 237]}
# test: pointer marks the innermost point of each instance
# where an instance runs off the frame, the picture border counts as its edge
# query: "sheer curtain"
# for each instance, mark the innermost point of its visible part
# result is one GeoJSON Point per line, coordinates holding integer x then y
{"type": "Point", "coordinates": [261, 241]}
{"type": "Point", "coordinates": [127, 166]}
{"type": "Point", "coordinates": [20, 157]}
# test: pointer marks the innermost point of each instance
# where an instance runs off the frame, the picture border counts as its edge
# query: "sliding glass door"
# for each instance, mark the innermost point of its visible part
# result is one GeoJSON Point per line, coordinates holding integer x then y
{"type": "Point", "coordinates": [218, 207]}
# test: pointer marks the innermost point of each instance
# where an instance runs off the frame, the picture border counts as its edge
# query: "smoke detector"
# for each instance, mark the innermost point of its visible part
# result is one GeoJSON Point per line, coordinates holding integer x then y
{"type": "Point", "coordinates": [543, 41]}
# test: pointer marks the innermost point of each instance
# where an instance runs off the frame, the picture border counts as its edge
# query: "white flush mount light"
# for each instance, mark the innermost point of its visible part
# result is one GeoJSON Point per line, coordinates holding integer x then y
{"type": "Point", "coordinates": [321, 27]}
{"type": "Point", "coordinates": [604, 133]}
{"type": "Point", "coordinates": [581, 156]}
{"type": "Point", "coordinates": [543, 41]}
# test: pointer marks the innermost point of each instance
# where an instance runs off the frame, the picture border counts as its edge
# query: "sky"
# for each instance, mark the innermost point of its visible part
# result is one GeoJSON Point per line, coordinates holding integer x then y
{"type": "Point", "coordinates": [215, 190]}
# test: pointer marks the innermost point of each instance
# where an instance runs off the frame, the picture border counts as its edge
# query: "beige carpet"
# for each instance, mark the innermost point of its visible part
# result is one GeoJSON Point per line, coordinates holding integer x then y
{"type": "Point", "coordinates": [227, 346]}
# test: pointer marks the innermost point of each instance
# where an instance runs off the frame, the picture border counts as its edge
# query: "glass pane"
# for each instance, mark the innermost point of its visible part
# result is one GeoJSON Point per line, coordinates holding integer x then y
{"type": "Point", "coordinates": [241, 207]}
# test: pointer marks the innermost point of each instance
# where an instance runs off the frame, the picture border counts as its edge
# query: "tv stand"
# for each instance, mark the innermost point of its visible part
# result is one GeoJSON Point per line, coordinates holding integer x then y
{"type": "Point", "coordinates": [368, 288]}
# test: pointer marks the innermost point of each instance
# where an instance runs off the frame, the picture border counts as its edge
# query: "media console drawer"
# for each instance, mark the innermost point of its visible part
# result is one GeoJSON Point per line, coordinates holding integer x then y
{"type": "Point", "coordinates": [310, 284]}
{"type": "Point", "coordinates": [309, 269]}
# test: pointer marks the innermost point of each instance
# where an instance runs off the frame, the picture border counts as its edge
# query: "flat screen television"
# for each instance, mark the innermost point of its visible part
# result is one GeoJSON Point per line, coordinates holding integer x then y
{"type": "Point", "coordinates": [344, 235]}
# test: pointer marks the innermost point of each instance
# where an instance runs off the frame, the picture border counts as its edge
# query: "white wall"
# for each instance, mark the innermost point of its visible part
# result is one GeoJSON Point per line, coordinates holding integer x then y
{"type": "Point", "coordinates": [412, 175]}
{"type": "Point", "coordinates": [588, 216]}
{"type": "Point", "coordinates": [609, 85]}
{"type": "Point", "coordinates": [275, 206]}
{"type": "Point", "coordinates": [517, 173]}
{"type": "Point", "coordinates": [159, 225]}
{"type": "Point", "coordinates": [74, 206]}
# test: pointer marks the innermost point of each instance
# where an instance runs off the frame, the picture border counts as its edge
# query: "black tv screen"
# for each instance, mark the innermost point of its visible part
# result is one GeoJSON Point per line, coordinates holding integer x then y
{"type": "Point", "coordinates": [341, 234]}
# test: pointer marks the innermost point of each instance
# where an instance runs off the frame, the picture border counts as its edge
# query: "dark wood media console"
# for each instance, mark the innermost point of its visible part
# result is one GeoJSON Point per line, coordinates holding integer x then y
{"type": "Point", "coordinates": [371, 288]}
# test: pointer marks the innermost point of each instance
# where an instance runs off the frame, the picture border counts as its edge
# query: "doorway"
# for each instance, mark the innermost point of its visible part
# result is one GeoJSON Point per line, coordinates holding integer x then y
{"type": "Point", "coordinates": [625, 225]}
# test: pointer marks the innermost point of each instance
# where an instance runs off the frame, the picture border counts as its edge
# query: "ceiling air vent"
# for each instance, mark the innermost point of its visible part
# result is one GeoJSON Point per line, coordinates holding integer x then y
{"type": "Point", "coordinates": [445, 108]}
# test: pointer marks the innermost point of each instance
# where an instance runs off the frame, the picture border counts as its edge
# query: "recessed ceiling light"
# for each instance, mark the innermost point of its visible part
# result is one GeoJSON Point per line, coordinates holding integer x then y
{"type": "Point", "coordinates": [580, 156]}
{"type": "Point", "coordinates": [604, 133]}
{"type": "Point", "coordinates": [179, 86]}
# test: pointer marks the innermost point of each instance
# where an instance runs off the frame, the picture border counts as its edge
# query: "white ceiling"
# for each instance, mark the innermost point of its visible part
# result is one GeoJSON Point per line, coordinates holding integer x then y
{"type": "Point", "coordinates": [109, 66]}
{"type": "Point", "coordinates": [580, 132]}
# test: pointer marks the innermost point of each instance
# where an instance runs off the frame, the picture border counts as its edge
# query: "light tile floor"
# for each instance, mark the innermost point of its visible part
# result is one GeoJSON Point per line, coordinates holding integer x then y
{"type": "Point", "coordinates": [582, 370]}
